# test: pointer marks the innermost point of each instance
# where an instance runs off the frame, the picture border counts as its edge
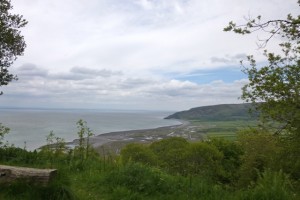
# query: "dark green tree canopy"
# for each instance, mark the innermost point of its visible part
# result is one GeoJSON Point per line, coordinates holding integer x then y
{"type": "Point", "coordinates": [12, 43]}
{"type": "Point", "coordinates": [277, 84]}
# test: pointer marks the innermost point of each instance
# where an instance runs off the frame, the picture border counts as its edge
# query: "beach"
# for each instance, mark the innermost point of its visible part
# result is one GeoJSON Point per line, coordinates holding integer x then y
{"type": "Point", "coordinates": [113, 142]}
{"type": "Point", "coordinates": [29, 128]}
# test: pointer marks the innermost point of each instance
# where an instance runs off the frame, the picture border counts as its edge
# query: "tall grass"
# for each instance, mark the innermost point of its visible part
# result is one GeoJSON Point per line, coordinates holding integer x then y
{"type": "Point", "coordinates": [168, 169]}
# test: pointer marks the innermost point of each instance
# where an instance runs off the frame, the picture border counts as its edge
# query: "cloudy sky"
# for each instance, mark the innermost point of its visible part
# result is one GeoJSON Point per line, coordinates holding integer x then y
{"type": "Point", "coordinates": [135, 54]}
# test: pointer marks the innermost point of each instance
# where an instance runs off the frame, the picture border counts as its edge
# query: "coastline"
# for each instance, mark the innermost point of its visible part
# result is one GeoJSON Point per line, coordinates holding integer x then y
{"type": "Point", "coordinates": [112, 142]}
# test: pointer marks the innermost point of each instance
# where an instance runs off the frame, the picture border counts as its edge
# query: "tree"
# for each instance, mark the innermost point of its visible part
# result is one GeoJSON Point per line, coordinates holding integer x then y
{"type": "Point", "coordinates": [3, 130]}
{"type": "Point", "coordinates": [12, 43]}
{"type": "Point", "coordinates": [84, 134]}
{"type": "Point", "coordinates": [172, 153]}
{"type": "Point", "coordinates": [231, 161]}
{"type": "Point", "coordinates": [261, 150]}
{"type": "Point", "coordinates": [138, 153]}
{"type": "Point", "coordinates": [275, 88]}
{"type": "Point", "coordinates": [204, 159]}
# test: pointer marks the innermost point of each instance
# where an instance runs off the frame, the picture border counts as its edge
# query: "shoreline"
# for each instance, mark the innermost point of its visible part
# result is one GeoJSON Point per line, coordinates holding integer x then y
{"type": "Point", "coordinates": [113, 142]}
{"type": "Point", "coordinates": [182, 123]}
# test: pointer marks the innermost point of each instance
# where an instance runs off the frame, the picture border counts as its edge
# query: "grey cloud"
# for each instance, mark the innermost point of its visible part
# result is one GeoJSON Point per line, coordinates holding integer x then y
{"type": "Point", "coordinates": [172, 92]}
{"type": "Point", "coordinates": [135, 83]}
{"type": "Point", "coordinates": [239, 56]}
{"type": "Point", "coordinates": [93, 72]}
{"type": "Point", "coordinates": [70, 76]}
{"type": "Point", "coordinates": [83, 73]}
{"type": "Point", "coordinates": [219, 60]}
{"type": "Point", "coordinates": [173, 88]}
{"type": "Point", "coordinates": [229, 59]}
{"type": "Point", "coordinates": [31, 70]}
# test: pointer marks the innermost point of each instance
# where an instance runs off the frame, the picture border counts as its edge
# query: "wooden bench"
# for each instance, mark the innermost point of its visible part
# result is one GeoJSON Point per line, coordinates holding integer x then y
{"type": "Point", "coordinates": [9, 174]}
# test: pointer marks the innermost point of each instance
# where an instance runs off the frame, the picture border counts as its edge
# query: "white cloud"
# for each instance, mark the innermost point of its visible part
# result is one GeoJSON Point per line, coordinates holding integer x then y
{"type": "Point", "coordinates": [118, 90]}
{"type": "Point", "coordinates": [124, 48]}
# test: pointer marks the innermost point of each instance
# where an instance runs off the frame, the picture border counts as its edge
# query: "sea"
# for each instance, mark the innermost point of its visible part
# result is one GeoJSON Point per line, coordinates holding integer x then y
{"type": "Point", "coordinates": [30, 127]}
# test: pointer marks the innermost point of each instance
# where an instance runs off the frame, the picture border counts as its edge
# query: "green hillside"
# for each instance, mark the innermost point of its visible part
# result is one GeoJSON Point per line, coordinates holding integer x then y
{"type": "Point", "coordinates": [222, 112]}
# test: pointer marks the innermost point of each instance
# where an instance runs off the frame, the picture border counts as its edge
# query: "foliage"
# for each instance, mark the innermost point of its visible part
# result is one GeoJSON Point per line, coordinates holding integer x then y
{"type": "Point", "coordinates": [289, 157]}
{"type": "Point", "coordinates": [136, 181]}
{"type": "Point", "coordinates": [261, 151]}
{"type": "Point", "coordinates": [278, 86]}
{"type": "Point", "coordinates": [3, 130]}
{"type": "Point", "coordinates": [275, 91]}
{"type": "Point", "coordinates": [253, 167]}
{"type": "Point", "coordinates": [203, 170]}
{"type": "Point", "coordinates": [11, 40]}
{"type": "Point", "coordinates": [288, 28]}
{"type": "Point", "coordinates": [177, 156]}
{"type": "Point", "coordinates": [84, 134]}
{"type": "Point", "coordinates": [204, 159]}
{"type": "Point", "coordinates": [138, 153]}
{"type": "Point", "coordinates": [223, 112]}
{"type": "Point", "coordinates": [54, 150]}
{"type": "Point", "coordinates": [172, 153]}
{"type": "Point", "coordinates": [278, 83]}
{"type": "Point", "coordinates": [141, 179]}
{"type": "Point", "coordinates": [273, 183]}
{"type": "Point", "coordinates": [15, 155]}
{"type": "Point", "coordinates": [231, 160]}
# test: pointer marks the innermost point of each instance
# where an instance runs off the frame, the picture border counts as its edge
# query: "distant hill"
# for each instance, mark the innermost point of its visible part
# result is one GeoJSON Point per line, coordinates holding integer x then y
{"type": "Point", "coordinates": [223, 112]}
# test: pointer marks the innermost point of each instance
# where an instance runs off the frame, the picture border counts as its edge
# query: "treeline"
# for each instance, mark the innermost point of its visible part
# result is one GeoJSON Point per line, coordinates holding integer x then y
{"type": "Point", "coordinates": [232, 164]}
{"type": "Point", "coordinates": [258, 165]}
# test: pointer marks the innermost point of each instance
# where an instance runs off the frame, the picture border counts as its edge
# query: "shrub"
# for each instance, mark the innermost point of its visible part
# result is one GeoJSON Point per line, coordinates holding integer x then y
{"type": "Point", "coordinates": [172, 153]}
{"type": "Point", "coordinates": [231, 160]}
{"type": "Point", "coordinates": [138, 153]}
{"type": "Point", "coordinates": [261, 150]}
{"type": "Point", "coordinates": [204, 159]}
{"type": "Point", "coordinates": [271, 185]}
{"type": "Point", "coordinates": [138, 178]}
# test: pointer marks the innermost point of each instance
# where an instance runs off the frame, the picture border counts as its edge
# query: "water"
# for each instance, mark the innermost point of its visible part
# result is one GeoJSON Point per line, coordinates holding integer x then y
{"type": "Point", "coordinates": [31, 126]}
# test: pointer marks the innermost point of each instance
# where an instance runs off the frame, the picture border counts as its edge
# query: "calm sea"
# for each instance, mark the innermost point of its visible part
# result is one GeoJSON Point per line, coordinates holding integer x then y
{"type": "Point", "coordinates": [31, 126]}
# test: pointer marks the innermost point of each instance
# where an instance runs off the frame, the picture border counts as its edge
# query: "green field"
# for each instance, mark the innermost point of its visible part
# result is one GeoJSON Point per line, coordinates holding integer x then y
{"type": "Point", "coordinates": [222, 129]}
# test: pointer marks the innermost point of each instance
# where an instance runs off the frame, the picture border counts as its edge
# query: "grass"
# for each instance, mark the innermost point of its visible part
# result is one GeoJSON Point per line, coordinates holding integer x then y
{"type": "Point", "coordinates": [97, 178]}
{"type": "Point", "coordinates": [222, 129]}
{"type": "Point", "coordinates": [214, 171]}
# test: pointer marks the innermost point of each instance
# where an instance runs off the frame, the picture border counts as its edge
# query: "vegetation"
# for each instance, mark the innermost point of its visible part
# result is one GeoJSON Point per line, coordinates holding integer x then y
{"type": "Point", "coordinates": [11, 40]}
{"type": "Point", "coordinates": [3, 130]}
{"type": "Point", "coordinates": [278, 83]}
{"type": "Point", "coordinates": [167, 169]}
{"type": "Point", "coordinates": [249, 167]}
{"type": "Point", "coordinates": [223, 112]}
{"type": "Point", "coordinates": [222, 129]}
{"type": "Point", "coordinates": [274, 90]}
{"type": "Point", "coordinates": [259, 164]}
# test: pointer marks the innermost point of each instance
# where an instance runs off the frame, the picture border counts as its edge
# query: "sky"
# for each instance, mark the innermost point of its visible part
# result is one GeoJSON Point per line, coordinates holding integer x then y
{"type": "Point", "coordinates": [135, 54]}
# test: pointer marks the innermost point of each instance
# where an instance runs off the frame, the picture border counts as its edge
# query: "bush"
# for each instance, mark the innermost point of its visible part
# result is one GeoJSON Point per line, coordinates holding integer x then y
{"type": "Point", "coordinates": [271, 186]}
{"type": "Point", "coordinates": [138, 153]}
{"type": "Point", "coordinates": [172, 153]}
{"type": "Point", "coordinates": [261, 150]}
{"type": "Point", "coordinates": [15, 155]}
{"type": "Point", "coordinates": [231, 160]}
{"type": "Point", "coordinates": [138, 178]}
{"type": "Point", "coordinates": [204, 159]}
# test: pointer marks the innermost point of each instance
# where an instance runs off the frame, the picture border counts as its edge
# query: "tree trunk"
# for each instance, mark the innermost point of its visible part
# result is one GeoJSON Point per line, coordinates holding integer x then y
{"type": "Point", "coordinates": [9, 174]}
